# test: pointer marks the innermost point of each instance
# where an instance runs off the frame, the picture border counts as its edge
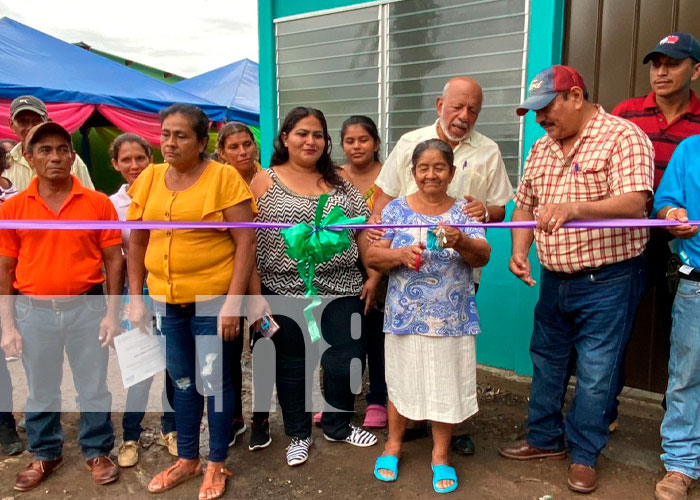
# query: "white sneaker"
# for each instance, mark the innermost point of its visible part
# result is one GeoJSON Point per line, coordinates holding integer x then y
{"type": "Point", "coordinates": [358, 437]}
{"type": "Point", "coordinates": [298, 451]}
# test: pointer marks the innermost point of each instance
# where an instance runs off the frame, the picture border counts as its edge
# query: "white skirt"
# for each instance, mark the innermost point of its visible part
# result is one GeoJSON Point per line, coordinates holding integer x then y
{"type": "Point", "coordinates": [432, 378]}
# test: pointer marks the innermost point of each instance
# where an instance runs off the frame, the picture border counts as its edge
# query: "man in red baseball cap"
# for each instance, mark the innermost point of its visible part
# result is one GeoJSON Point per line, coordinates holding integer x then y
{"type": "Point", "coordinates": [547, 84]}
{"type": "Point", "coordinates": [590, 165]}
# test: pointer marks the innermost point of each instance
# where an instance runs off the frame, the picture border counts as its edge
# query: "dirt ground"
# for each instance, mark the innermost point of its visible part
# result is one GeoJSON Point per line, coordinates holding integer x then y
{"type": "Point", "coordinates": [628, 469]}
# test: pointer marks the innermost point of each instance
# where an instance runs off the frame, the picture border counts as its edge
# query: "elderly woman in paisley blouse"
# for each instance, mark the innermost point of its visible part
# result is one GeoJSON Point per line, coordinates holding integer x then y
{"type": "Point", "coordinates": [430, 314]}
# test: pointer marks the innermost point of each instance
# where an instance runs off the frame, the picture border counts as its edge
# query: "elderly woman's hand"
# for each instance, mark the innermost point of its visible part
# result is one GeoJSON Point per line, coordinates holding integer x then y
{"type": "Point", "coordinates": [452, 236]}
{"type": "Point", "coordinates": [411, 256]}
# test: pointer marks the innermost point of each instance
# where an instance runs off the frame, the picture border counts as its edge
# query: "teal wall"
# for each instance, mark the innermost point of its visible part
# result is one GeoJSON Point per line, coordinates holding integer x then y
{"type": "Point", "coordinates": [505, 303]}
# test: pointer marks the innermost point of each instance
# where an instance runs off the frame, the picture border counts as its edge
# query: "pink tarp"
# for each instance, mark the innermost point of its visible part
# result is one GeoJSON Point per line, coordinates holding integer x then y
{"type": "Point", "coordinates": [73, 115]}
{"type": "Point", "coordinates": [144, 124]}
{"type": "Point", "coordinates": [69, 114]}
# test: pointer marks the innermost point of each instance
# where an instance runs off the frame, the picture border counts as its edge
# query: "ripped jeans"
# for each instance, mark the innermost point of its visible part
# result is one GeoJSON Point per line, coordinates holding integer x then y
{"type": "Point", "coordinates": [194, 359]}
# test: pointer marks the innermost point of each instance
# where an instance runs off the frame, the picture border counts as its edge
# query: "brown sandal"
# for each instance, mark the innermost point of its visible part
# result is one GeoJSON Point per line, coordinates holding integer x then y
{"type": "Point", "coordinates": [167, 483]}
{"type": "Point", "coordinates": [209, 483]}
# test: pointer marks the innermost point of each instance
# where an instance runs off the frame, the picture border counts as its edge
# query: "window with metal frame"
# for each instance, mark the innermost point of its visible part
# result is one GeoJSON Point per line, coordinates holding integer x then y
{"type": "Point", "coordinates": [390, 60]}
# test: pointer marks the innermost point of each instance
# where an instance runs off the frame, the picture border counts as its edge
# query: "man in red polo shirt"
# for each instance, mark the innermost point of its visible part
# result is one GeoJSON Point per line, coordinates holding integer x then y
{"type": "Point", "coordinates": [668, 114]}
{"type": "Point", "coordinates": [59, 305]}
{"type": "Point", "coordinates": [671, 111]}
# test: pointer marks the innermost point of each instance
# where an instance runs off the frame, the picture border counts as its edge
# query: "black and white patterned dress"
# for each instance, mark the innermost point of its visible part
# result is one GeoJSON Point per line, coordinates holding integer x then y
{"type": "Point", "coordinates": [278, 272]}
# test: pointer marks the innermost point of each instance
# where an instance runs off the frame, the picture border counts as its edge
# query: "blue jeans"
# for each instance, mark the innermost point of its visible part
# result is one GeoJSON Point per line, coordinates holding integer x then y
{"type": "Point", "coordinates": [680, 429]}
{"type": "Point", "coordinates": [590, 314]}
{"type": "Point", "coordinates": [194, 358]}
{"type": "Point", "coordinates": [45, 335]}
{"type": "Point", "coordinates": [136, 402]}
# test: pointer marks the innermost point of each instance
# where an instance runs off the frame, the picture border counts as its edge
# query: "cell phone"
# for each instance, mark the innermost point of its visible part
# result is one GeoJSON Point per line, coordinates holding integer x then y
{"type": "Point", "coordinates": [268, 326]}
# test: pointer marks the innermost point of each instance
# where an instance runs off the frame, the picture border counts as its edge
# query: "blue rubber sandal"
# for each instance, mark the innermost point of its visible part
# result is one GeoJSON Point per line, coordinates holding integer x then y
{"type": "Point", "coordinates": [444, 473]}
{"type": "Point", "coordinates": [389, 463]}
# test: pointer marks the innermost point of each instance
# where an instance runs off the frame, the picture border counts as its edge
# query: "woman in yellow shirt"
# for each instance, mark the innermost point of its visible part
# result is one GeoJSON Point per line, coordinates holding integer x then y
{"type": "Point", "coordinates": [183, 266]}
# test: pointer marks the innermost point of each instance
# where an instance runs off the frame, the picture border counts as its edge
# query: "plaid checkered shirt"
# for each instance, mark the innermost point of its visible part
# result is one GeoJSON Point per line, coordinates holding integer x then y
{"type": "Point", "coordinates": [612, 157]}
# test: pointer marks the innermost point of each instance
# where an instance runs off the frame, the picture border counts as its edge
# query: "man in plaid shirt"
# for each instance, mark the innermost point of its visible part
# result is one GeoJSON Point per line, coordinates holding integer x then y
{"type": "Point", "coordinates": [590, 165]}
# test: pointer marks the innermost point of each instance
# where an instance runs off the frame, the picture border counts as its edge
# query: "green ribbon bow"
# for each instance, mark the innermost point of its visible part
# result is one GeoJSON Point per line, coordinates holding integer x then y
{"type": "Point", "coordinates": [311, 245]}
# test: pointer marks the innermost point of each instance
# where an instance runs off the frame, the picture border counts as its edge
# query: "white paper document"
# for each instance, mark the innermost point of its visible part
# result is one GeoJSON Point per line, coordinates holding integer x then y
{"type": "Point", "coordinates": [140, 356]}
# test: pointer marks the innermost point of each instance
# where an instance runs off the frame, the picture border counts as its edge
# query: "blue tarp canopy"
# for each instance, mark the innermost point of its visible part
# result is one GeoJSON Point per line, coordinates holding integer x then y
{"type": "Point", "coordinates": [234, 86]}
{"type": "Point", "coordinates": [32, 62]}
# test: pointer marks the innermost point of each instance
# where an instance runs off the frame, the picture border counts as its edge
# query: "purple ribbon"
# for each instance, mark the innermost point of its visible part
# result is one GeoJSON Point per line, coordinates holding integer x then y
{"type": "Point", "coordinates": [91, 224]}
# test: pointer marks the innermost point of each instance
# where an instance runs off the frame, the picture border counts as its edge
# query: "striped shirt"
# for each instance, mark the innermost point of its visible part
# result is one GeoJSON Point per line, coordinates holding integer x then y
{"type": "Point", "coordinates": [643, 112]}
{"type": "Point", "coordinates": [278, 271]}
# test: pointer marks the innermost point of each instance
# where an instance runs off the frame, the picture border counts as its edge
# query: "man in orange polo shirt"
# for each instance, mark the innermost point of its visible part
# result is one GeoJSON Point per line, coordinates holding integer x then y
{"type": "Point", "coordinates": [59, 305]}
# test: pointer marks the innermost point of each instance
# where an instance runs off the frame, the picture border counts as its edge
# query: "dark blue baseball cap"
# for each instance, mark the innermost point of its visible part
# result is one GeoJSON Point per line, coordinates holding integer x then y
{"type": "Point", "coordinates": [676, 46]}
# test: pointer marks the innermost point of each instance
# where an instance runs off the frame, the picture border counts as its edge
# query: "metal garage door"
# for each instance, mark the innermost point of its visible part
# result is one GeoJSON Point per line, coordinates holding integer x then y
{"type": "Point", "coordinates": [606, 41]}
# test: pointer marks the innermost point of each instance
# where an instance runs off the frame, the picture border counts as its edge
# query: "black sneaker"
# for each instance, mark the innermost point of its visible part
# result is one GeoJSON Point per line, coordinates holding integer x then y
{"type": "Point", "coordinates": [462, 444]}
{"type": "Point", "coordinates": [237, 428]}
{"type": "Point", "coordinates": [10, 442]}
{"type": "Point", "coordinates": [259, 436]}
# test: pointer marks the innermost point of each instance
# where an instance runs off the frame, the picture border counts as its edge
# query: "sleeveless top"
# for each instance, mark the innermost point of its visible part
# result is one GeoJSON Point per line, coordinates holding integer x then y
{"type": "Point", "coordinates": [278, 272]}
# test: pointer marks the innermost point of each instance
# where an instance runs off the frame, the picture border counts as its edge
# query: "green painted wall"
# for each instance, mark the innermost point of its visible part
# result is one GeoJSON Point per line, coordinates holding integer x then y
{"type": "Point", "coordinates": [505, 303]}
{"type": "Point", "coordinates": [158, 74]}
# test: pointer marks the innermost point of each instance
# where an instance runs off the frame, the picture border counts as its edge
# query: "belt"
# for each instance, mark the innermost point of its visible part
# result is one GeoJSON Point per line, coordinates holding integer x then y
{"type": "Point", "coordinates": [64, 304]}
{"type": "Point", "coordinates": [590, 270]}
{"type": "Point", "coordinates": [692, 275]}
{"type": "Point", "coordinates": [577, 274]}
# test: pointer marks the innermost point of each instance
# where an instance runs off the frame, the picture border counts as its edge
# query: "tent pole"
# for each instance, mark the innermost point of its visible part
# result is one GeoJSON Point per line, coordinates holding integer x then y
{"type": "Point", "coordinates": [85, 147]}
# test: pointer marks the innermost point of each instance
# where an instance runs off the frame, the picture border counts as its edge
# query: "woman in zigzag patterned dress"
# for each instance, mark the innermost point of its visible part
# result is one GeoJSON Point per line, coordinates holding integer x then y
{"type": "Point", "coordinates": [289, 191]}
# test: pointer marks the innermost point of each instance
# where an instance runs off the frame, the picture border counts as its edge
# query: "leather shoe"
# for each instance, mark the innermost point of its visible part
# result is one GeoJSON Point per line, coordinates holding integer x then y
{"type": "Point", "coordinates": [462, 444]}
{"type": "Point", "coordinates": [35, 473]}
{"type": "Point", "coordinates": [523, 451]}
{"type": "Point", "coordinates": [674, 486]}
{"type": "Point", "coordinates": [582, 478]}
{"type": "Point", "coordinates": [103, 470]}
